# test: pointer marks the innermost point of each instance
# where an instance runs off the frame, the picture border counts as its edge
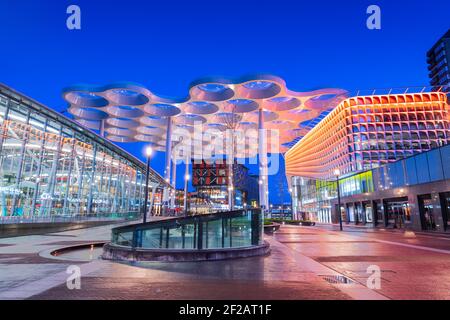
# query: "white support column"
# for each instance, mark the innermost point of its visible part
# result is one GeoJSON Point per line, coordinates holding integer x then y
{"type": "Point", "coordinates": [174, 182]}
{"type": "Point", "coordinates": [186, 180]}
{"type": "Point", "coordinates": [167, 167]}
{"type": "Point", "coordinates": [231, 174]}
{"type": "Point", "coordinates": [262, 150]}
{"type": "Point", "coordinates": [152, 200]}
{"type": "Point", "coordinates": [102, 128]}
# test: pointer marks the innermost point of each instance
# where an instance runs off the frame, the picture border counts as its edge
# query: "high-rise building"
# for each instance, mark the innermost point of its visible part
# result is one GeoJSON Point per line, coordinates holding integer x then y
{"type": "Point", "coordinates": [438, 59]}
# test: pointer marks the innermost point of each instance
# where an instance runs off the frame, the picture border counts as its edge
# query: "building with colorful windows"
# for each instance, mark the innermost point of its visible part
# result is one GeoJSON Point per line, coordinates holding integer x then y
{"type": "Point", "coordinates": [52, 169]}
{"type": "Point", "coordinates": [368, 143]}
{"type": "Point", "coordinates": [211, 182]}
{"type": "Point", "coordinates": [369, 131]}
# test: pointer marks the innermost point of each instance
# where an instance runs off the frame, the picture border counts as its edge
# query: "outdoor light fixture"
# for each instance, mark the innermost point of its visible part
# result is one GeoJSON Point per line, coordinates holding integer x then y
{"type": "Point", "coordinates": [148, 153]}
{"type": "Point", "coordinates": [187, 177]}
{"type": "Point", "coordinates": [337, 172]}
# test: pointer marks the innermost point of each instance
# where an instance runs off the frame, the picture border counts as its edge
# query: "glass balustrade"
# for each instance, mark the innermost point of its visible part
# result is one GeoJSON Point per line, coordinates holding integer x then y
{"type": "Point", "coordinates": [242, 228]}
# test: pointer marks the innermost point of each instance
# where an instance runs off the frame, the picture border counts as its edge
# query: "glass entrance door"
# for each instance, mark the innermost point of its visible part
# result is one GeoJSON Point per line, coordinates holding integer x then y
{"type": "Point", "coordinates": [398, 213]}
{"type": "Point", "coordinates": [368, 210]}
{"type": "Point", "coordinates": [445, 207]}
{"type": "Point", "coordinates": [427, 212]}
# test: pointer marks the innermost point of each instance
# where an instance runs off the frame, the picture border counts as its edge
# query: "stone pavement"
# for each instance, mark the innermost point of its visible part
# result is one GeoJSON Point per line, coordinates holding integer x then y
{"type": "Point", "coordinates": [305, 263]}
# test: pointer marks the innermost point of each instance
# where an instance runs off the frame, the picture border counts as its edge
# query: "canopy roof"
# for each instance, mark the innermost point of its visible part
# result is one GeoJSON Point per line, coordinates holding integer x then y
{"type": "Point", "coordinates": [133, 113]}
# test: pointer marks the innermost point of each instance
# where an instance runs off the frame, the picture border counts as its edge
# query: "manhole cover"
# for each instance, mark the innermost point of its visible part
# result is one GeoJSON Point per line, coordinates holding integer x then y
{"type": "Point", "coordinates": [338, 279]}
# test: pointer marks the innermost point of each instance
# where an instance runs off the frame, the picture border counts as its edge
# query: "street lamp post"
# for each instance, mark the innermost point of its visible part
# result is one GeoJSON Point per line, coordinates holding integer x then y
{"type": "Point", "coordinates": [186, 179]}
{"type": "Point", "coordinates": [337, 173]}
{"type": "Point", "coordinates": [148, 153]}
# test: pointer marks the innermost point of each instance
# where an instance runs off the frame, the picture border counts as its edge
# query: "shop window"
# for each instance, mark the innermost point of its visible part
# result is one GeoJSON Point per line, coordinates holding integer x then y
{"type": "Point", "coordinates": [435, 165]}
{"type": "Point", "coordinates": [423, 175]}
{"type": "Point", "coordinates": [445, 154]}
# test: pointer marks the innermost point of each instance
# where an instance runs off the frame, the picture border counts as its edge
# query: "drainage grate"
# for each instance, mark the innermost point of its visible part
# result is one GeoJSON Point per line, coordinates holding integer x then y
{"type": "Point", "coordinates": [338, 279]}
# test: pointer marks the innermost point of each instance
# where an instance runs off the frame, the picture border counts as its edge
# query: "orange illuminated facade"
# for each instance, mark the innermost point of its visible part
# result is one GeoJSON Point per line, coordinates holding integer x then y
{"type": "Point", "coordinates": [364, 132]}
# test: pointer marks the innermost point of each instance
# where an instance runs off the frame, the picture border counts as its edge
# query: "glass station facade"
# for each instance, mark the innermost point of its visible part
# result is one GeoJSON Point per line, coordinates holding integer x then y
{"type": "Point", "coordinates": [52, 168]}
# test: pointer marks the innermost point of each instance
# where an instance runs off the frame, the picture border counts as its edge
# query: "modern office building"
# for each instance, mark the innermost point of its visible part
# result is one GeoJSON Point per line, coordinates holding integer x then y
{"type": "Point", "coordinates": [211, 183]}
{"type": "Point", "coordinates": [438, 59]}
{"type": "Point", "coordinates": [51, 167]}
{"type": "Point", "coordinates": [360, 134]}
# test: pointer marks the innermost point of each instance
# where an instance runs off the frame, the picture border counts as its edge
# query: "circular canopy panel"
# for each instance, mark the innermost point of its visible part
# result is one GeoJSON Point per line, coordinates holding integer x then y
{"type": "Point", "coordinates": [267, 116]}
{"type": "Point", "coordinates": [115, 138]}
{"type": "Point", "coordinates": [282, 103]}
{"type": "Point", "coordinates": [147, 138]}
{"type": "Point", "coordinates": [298, 115]}
{"type": "Point", "coordinates": [86, 99]}
{"type": "Point", "coordinates": [124, 111]}
{"type": "Point", "coordinates": [154, 121]}
{"type": "Point", "coordinates": [240, 106]}
{"type": "Point", "coordinates": [322, 102]}
{"type": "Point", "coordinates": [91, 124]}
{"type": "Point", "coordinates": [200, 107]}
{"type": "Point", "coordinates": [150, 130]}
{"type": "Point", "coordinates": [259, 89]}
{"type": "Point", "coordinates": [162, 110]}
{"type": "Point", "coordinates": [280, 124]}
{"type": "Point", "coordinates": [226, 118]}
{"type": "Point", "coordinates": [215, 126]}
{"type": "Point", "coordinates": [122, 123]}
{"type": "Point", "coordinates": [88, 113]}
{"type": "Point", "coordinates": [116, 131]}
{"type": "Point", "coordinates": [184, 127]}
{"type": "Point", "coordinates": [245, 125]}
{"type": "Point", "coordinates": [189, 119]}
{"type": "Point", "coordinates": [211, 92]}
{"type": "Point", "coordinates": [127, 97]}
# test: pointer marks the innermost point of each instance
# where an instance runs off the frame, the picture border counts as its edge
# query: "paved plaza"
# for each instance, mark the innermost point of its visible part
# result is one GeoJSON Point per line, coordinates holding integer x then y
{"type": "Point", "coordinates": [305, 263]}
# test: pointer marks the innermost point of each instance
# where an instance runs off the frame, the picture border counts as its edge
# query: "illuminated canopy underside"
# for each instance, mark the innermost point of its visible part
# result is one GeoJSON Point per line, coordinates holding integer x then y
{"type": "Point", "coordinates": [133, 113]}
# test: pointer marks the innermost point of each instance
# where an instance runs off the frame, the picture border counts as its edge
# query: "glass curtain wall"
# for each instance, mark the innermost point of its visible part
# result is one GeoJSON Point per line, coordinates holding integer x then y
{"type": "Point", "coordinates": [47, 171]}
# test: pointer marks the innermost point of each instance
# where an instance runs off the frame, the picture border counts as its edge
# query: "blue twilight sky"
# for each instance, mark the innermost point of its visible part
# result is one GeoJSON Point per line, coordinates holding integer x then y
{"type": "Point", "coordinates": [165, 45]}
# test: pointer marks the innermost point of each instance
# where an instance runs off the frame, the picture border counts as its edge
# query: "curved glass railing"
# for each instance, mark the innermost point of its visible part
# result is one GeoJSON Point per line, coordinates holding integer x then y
{"type": "Point", "coordinates": [242, 228]}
